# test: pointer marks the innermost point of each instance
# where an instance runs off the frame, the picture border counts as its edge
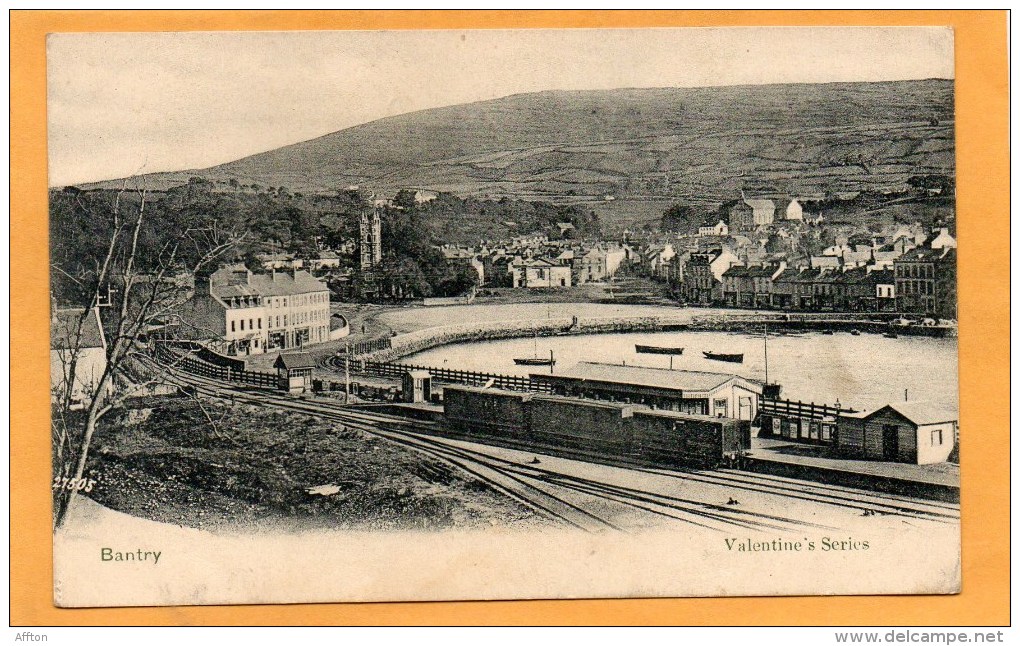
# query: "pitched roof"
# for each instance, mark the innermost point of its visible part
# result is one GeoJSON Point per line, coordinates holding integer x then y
{"type": "Point", "coordinates": [64, 331]}
{"type": "Point", "coordinates": [921, 413]}
{"type": "Point", "coordinates": [927, 254]}
{"type": "Point", "coordinates": [695, 381]}
{"type": "Point", "coordinates": [272, 284]}
{"type": "Point", "coordinates": [759, 203]}
{"type": "Point", "coordinates": [737, 271]}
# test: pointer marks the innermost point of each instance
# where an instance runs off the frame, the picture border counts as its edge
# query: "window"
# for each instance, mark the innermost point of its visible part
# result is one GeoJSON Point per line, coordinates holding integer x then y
{"type": "Point", "coordinates": [242, 325]}
{"type": "Point", "coordinates": [720, 408]}
{"type": "Point", "coordinates": [251, 324]}
{"type": "Point", "coordinates": [260, 323]}
{"type": "Point", "coordinates": [232, 329]}
{"type": "Point", "coordinates": [936, 437]}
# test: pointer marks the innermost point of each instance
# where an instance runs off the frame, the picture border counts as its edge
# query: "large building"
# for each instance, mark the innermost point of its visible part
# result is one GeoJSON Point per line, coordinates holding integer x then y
{"type": "Point", "coordinates": [751, 213]}
{"type": "Point", "coordinates": [241, 313]}
{"type": "Point", "coordinates": [532, 273]}
{"type": "Point", "coordinates": [600, 263]}
{"type": "Point", "coordinates": [926, 282]}
{"type": "Point", "coordinates": [687, 391]}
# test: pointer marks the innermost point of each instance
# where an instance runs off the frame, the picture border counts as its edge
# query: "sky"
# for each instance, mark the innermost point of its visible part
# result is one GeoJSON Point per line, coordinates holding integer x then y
{"type": "Point", "coordinates": [121, 104]}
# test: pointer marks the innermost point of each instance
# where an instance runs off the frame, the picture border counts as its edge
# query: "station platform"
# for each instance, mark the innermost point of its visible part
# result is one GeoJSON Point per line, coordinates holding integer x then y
{"type": "Point", "coordinates": [821, 463]}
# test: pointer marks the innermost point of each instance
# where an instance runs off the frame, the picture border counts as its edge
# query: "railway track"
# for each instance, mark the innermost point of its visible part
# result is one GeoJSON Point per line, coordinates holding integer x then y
{"type": "Point", "coordinates": [846, 497]}
{"type": "Point", "coordinates": [585, 503]}
{"type": "Point", "coordinates": [551, 506]}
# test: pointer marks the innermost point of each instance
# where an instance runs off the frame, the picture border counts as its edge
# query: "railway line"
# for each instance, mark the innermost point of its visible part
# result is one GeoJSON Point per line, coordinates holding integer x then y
{"type": "Point", "coordinates": [586, 503]}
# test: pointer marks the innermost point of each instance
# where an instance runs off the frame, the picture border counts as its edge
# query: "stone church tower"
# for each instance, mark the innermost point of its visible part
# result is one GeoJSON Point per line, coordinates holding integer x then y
{"type": "Point", "coordinates": [371, 239]}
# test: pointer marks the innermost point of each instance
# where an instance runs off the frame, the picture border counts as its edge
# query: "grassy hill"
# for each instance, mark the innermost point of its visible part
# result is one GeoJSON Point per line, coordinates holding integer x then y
{"type": "Point", "coordinates": [642, 146]}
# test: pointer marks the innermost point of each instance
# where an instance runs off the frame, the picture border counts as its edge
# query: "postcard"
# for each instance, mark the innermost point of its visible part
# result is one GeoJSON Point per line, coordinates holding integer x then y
{"type": "Point", "coordinates": [502, 314]}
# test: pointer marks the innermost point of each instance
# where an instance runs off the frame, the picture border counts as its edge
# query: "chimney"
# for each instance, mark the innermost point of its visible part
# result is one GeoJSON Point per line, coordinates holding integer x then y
{"type": "Point", "coordinates": [203, 280]}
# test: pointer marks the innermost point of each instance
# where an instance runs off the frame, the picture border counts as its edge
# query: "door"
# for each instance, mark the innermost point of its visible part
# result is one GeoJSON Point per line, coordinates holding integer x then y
{"type": "Point", "coordinates": [890, 441]}
{"type": "Point", "coordinates": [744, 408]}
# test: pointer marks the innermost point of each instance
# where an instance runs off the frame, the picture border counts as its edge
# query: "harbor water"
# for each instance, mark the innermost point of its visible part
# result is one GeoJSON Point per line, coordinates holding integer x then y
{"type": "Point", "coordinates": [862, 371]}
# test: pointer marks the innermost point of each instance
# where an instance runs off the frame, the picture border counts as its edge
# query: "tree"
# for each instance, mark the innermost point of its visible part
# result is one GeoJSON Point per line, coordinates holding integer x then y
{"type": "Point", "coordinates": [679, 218]}
{"type": "Point", "coordinates": [130, 266]}
{"type": "Point", "coordinates": [404, 199]}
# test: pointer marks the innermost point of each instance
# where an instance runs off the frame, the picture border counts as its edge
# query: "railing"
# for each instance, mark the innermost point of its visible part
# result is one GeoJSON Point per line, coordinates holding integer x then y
{"type": "Point", "coordinates": [196, 366]}
{"type": "Point", "coordinates": [366, 347]}
{"type": "Point", "coordinates": [809, 410]}
{"type": "Point", "coordinates": [467, 377]}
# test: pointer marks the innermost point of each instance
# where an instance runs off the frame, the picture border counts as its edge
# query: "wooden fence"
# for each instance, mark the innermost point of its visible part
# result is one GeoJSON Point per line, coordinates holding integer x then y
{"type": "Point", "coordinates": [804, 410]}
{"type": "Point", "coordinates": [466, 377]}
{"type": "Point", "coordinates": [196, 366]}
{"type": "Point", "coordinates": [366, 347]}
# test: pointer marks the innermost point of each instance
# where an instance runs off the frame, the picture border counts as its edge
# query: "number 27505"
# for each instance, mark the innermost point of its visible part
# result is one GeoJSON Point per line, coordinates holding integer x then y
{"type": "Point", "coordinates": [73, 484]}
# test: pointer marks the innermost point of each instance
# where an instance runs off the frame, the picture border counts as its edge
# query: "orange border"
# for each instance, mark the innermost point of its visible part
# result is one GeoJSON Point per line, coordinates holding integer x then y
{"type": "Point", "coordinates": [983, 204]}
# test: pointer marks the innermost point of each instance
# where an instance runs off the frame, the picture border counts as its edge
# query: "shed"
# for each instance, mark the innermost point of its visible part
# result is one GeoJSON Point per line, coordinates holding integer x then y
{"type": "Point", "coordinates": [916, 433]}
{"type": "Point", "coordinates": [295, 371]}
{"type": "Point", "coordinates": [416, 386]}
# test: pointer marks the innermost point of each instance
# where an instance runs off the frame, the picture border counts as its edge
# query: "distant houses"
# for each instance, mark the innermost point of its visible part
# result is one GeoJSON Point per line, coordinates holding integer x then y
{"type": "Point", "coordinates": [539, 272]}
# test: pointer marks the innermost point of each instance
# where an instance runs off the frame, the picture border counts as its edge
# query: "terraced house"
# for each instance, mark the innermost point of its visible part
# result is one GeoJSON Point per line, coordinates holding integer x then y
{"type": "Point", "coordinates": [926, 282]}
{"type": "Point", "coordinates": [702, 276]}
{"type": "Point", "coordinates": [241, 313]}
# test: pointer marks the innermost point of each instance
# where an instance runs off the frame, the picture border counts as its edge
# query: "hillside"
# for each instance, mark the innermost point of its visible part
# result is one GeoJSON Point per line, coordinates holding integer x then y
{"type": "Point", "coordinates": [639, 145]}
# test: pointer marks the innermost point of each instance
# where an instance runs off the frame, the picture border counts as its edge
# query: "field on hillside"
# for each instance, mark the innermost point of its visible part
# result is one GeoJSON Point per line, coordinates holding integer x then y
{"type": "Point", "coordinates": [699, 145]}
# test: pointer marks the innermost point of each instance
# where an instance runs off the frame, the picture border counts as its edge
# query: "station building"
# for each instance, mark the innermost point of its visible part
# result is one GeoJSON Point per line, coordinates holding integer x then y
{"type": "Point", "coordinates": [686, 391]}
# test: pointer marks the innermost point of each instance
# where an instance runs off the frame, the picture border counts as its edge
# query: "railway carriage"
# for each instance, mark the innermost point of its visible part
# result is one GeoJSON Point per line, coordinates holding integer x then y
{"type": "Point", "coordinates": [594, 429]}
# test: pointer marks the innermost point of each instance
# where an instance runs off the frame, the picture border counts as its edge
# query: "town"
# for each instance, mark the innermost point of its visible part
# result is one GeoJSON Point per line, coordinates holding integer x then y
{"type": "Point", "coordinates": [297, 309]}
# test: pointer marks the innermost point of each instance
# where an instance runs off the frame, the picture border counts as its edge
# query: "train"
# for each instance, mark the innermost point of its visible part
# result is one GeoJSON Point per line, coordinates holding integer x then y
{"type": "Point", "coordinates": [593, 429]}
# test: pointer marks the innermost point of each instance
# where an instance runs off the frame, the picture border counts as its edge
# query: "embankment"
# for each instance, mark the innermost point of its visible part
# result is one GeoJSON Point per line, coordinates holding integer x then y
{"type": "Point", "coordinates": [409, 343]}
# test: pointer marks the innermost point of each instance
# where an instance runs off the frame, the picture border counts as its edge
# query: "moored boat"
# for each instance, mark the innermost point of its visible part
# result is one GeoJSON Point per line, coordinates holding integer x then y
{"type": "Point", "coordinates": [655, 349]}
{"type": "Point", "coordinates": [720, 356]}
{"type": "Point", "coordinates": [534, 361]}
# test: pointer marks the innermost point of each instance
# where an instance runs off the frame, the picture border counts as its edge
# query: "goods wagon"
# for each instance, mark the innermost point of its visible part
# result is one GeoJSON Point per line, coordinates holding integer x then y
{"type": "Point", "coordinates": [597, 429]}
{"type": "Point", "coordinates": [487, 412]}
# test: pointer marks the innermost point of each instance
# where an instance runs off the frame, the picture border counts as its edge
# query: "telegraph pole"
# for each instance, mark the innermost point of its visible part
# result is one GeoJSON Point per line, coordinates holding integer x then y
{"type": "Point", "coordinates": [347, 373]}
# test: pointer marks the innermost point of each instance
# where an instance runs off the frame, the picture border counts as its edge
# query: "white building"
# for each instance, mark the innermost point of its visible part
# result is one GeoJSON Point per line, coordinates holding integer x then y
{"type": "Point", "coordinates": [764, 211]}
{"type": "Point", "coordinates": [327, 260]}
{"type": "Point", "coordinates": [718, 229]}
{"type": "Point", "coordinates": [421, 197]}
{"type": "Point", "coordinates": [76, 337]}
{"type": "Point", "coordinates": [242, 313]}
{"type": "Point", "coordinates": [794, 211]}
{"type": "Point", "coordinates": [943, 240]}
{"type": "Point", "coordinates": [538, 272]}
